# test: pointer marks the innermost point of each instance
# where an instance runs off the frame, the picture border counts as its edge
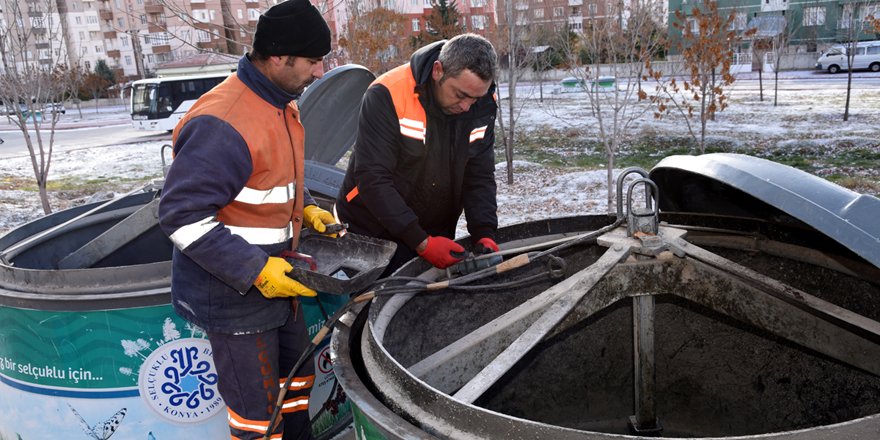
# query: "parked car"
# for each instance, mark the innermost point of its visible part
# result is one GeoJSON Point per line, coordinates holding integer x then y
{"type": "Point", "coordinates": [56, 107]}
{"type": "Point", "coordinates": [867, 56]}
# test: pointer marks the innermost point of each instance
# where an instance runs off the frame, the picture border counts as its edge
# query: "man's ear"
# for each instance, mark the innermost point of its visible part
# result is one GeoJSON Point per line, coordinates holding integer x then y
{"type": "Point", "coordinates": [437, 71]}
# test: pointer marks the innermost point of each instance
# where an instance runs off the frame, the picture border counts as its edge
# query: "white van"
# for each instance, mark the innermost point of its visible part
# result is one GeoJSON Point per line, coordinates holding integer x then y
{"type": "Point", "coordinates": [867, 57]}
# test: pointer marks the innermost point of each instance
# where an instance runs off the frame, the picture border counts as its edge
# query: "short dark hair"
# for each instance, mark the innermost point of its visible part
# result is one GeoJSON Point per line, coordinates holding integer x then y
{"type": "Point", "coordinates": [469, 52]}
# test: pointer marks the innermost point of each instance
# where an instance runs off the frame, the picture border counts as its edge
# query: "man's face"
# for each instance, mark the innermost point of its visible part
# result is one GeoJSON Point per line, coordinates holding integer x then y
{"type": "Point", "coordinates": [297, 72]}
{"type": "Point", "coordinates": [456, 94]}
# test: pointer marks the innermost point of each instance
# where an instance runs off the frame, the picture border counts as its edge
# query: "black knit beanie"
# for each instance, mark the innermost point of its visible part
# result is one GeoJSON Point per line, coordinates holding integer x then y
{"type": "Point", "coordinates": [292, 27]}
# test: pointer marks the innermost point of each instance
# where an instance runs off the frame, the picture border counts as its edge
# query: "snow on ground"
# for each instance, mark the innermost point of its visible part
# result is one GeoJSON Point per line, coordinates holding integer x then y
{"type": "Point", "coordinates": [808, 117]}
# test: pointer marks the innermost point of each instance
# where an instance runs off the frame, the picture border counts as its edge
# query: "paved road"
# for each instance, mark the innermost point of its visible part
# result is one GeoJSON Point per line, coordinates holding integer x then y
{"type": "Point", "coordinates": [14, 144]}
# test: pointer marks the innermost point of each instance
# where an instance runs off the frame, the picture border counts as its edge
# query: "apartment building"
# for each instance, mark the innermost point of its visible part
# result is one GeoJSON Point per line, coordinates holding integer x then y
{"type": "Point", "coordinates": [133, 37]}
{"type": "Point", "coordinates": [811, 25]}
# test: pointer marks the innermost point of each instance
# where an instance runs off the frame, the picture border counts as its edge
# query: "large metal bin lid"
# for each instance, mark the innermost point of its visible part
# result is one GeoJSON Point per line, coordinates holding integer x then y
{"type": "Point", "coordinates": [740, 185]}
{"type": "Point", "coordinates": [330, 109]}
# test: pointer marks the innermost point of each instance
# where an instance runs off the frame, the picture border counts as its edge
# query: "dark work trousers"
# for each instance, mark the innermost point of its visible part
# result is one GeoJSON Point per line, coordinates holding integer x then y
{"type": "Point", "coordinates": [251, 370]}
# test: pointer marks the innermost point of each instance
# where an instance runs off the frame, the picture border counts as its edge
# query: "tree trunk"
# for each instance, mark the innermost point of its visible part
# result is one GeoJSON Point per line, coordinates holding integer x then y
{"type": "Point", "coordinates": [848, 93]}
{"type": "Point", "coordinates": [776, 84]}
{"type": "Point", "coordinates": [44, 197]}
{"type": "Point", "coordinates": [610, 182]}
{"type": "Point", "coordinates": [761, 84]}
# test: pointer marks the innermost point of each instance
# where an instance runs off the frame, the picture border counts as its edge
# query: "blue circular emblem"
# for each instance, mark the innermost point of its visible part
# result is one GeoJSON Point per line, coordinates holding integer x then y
{"type": "Point", "coordinates": [178, 381]}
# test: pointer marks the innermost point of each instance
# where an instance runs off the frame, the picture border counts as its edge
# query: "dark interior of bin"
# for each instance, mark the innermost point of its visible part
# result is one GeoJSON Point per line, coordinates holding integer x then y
{"type": "Point", "coordinates": [715, 376]}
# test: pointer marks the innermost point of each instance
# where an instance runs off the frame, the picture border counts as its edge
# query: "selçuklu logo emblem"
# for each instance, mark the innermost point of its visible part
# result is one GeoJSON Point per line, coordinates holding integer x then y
{"type": "Point", "coordinates": [179, 382]}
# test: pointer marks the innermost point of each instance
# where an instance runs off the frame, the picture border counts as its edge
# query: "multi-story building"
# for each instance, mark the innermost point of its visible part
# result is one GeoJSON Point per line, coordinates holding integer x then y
{"type": "Point", "coordinates": [134, 36]}
{"type": "Point", "coordinates": [809, 25]}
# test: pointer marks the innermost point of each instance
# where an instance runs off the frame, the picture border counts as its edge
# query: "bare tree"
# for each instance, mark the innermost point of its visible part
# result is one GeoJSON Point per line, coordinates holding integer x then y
{"type": "Point", "coordinates": [781, 42]}
{"type": "Point", "coordinates": [514, 38]}
{"type": "Point", "coordinates": [707, 48]}
{"type": "Point", "coordinates": [375, 36]}
{"type": "Point", "coordinates": [32, 80]}
{"type": "Point", "coordinates": [852, 33]}
{"type": "Point", "coordinates": [609, 57]}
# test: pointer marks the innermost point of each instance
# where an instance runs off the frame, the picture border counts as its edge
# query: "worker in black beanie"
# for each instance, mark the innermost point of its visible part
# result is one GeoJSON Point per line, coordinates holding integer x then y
{"type": "Point", "coordinates": [233, 201]}
{"type": "Point", "coordinates": [293, 27]}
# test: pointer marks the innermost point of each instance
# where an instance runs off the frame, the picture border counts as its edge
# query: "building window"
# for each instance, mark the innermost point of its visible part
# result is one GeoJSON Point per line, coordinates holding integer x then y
{"type": "Point", "coordinates": [478, 22]}
{"type": "Point", "coordinates": [77, 19]}
{"type": "Point", "coordinates": [204, 36]}
{"type": "Point", "coordinates": [124, 41]}
{"type": "Point", "coordinates": [592, 9]}
{"type": "Point", "coordinates": [128, 60]}
{"type": "Point", "coordinates": [253, 14]}
{"type": "Point", "coordinates": [538, 13]}
{"type": "Point", "coordinates": [739, 21]}
{"type": "Point", "coordinates": [82, 35]}
{"type": "Point", "coordinates": [120, 22]}
{"type": "Point", "coordinates": [575, 10]}
{"type": "Point", "coordinates": [415, 24]}
{"type": "Point", "coordinates": [240, 14]}
{"type": "Point", "coordinates": [151, 59]}
{"type": "Point", "coordinates": [99, 49]}
{"type": "Point", "coordinates": [146, 40]}
{"type": "Point", "coordinates": [87, 65]}
{"type": "Point", "coordinates": [478, 3]}
{"type": "Point", "coordinates": [143, 19]}
{"type": "Point", "coordinates": [160, 38]}
{"type": "Point", "coordinates": [558, 11]}
{"type": "Point", "coordinates": [92, 19]}
{"type": "Point", "coordinates": [814, 16]}
{"type": "Point", "coordinates": [693, 25]}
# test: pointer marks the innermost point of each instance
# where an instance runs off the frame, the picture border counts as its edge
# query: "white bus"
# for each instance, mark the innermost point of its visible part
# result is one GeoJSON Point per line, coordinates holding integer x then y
{"type": "Point", "coordinates": [867, 56]}
{"type": "Point", "coordinates": [159, 103]}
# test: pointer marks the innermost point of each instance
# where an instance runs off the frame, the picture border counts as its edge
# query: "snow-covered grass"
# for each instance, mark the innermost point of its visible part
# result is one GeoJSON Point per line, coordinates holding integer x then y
{"type": "Point", "coordinates": [559, 166]}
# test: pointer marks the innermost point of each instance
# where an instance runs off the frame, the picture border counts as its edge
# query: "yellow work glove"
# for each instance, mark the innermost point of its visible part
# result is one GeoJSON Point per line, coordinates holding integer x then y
{"type": "Point", "coordinates": [273, 281]}
{"type": "Point", "coordinates": [316, 219]}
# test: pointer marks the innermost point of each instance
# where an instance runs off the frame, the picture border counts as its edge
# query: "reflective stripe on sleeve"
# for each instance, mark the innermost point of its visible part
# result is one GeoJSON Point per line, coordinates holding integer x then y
{"type": "Point", "coordinates": [186, 235]}
{"type": "Point", "coordinates": [478, 133]}
{"type": "Point", "coordinates": [263, 235]}
{"type": "Point", "coordinates": [278, 194]}
{"type": "Point", "coordinates": [412, 128]}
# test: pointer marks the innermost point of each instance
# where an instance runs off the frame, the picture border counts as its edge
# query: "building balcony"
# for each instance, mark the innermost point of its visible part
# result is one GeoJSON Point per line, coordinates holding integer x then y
{"type": "Point", "coordinates": [113, 53]}
{"type": "Point", "coordinates": [109, 35]}
{"type": "Point", "coordinates": [35, 13]}
{"type": "Point", "coordinates": [106, 14]}
{"type": "Point", "coordinates": [154, 28]}
{"type": "Point", "coordinates": [252, 4]}
{"type": "Point", "coordinates": [203, 26]}
{"type": "Point", "coordinates": [522, 6]}
{"type": "Point", "coordinates": [198, 5]}
{"type": "Point", "coordinates": [153, 8]}
{"type": "Point", "coordinates": [575, 2]}
{"type": "Point", "coordinates": [206, 45]}
{"type": "Point", "coordinates": [165, 48]}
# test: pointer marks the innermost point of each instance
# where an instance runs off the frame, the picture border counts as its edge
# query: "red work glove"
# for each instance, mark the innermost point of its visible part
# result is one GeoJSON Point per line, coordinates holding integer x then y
{"type": "Point", "coordinates": [485, 246]}
{"type": "Point", "coordinates": [441, 252]}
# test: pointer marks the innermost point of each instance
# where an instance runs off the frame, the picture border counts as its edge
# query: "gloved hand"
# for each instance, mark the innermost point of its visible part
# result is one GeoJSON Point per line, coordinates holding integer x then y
{"type": "Point", "coordinates": [485, 245]}
{"type": "Point", "coordinates": [439, 252]}
{"type": "Point", "coordinates": [273, 281]}
{"type": "Point", "coordinates": [316, 219]}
